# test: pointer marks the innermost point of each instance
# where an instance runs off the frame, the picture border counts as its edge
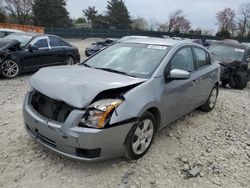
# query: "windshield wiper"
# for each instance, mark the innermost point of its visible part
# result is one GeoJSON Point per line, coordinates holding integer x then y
{"type": "Point", "coordinates": [115, 71]}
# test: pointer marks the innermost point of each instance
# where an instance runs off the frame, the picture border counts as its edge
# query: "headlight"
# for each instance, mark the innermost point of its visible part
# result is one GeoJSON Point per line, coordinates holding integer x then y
{"type": "Point", "coordinates": [99, 113]}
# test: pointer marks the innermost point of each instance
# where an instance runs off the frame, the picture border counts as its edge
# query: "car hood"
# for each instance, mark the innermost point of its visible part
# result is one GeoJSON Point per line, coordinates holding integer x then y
{"type": "Point", "coordinates": [225, 62]}
{"type": "Point", "coordinates": [78, 85]}
{"type": "Point", "coordinates": [6, 44]}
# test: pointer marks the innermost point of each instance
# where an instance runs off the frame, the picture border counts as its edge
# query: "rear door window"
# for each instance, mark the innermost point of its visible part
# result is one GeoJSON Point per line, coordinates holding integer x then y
{"type": "Point", "coordinates": [202, 58]}
{"type": "Point", "coordinates": [56, 42]}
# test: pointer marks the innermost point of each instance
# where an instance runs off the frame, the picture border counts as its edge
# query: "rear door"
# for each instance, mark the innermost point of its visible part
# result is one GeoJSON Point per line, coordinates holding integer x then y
{"type": "Point", "coordinates": [205, 73]}
{"type": "Point", "coordinates": [58, 49]}
{"type": "Point", "coordinates": [180, 95]}
{"type": "Point", "coordinates": [37, 58]}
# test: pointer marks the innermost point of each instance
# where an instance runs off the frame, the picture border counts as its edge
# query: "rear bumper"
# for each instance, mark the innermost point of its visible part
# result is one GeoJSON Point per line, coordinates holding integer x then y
{"type": "Point", "coordinates": [69, 140]}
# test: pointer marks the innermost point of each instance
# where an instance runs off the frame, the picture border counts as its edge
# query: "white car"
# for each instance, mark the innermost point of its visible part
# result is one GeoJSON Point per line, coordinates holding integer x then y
{"type": "Point", "coordinates": [4, 32]}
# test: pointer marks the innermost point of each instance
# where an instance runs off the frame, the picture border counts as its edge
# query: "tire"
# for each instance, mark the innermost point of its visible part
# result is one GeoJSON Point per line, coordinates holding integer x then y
{"type": "Point", "coordinates": [9, 69]}
{"type": "Point", "coordinates": [211, 102]}
{"type": "Point", "coordinates": [69, 60]}
{"type": "Point", "coordinates": [240, 79]}
{"type": "Point", "coordinates": [140, 137]}
{"type": "Point", "coordinates": [224, 83]}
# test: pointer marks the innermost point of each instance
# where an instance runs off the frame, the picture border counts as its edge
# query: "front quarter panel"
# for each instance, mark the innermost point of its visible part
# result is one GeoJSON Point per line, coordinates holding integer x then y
{"type": "Point", "coordinates": [139, 100]}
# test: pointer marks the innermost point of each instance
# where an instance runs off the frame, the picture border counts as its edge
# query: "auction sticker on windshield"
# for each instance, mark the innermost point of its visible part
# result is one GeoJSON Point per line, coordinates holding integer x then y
{"type": "Point", "coordinates": [239, 50]}
{"type": "Point", "coordinates": [157, 47]}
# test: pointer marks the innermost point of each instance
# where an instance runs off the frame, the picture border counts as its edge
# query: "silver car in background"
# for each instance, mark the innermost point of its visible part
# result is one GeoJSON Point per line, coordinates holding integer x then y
{"type": "Point", "coordinates": [112, 104]}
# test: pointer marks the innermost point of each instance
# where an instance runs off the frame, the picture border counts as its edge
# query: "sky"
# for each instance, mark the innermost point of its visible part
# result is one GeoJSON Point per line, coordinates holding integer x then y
{"type": "Point", "coordinates": [201, 13]}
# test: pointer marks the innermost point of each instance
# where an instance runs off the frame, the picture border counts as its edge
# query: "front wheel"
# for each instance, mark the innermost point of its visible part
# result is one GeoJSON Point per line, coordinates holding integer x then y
{"type": "Point", "coordinates": [240, 79]}
{"type": "Point", "coordinates": [210, 103]}
{"type": "Point", "coordinates": [9, 69]}
{"type": "Point", "coordinates": [140, 137]}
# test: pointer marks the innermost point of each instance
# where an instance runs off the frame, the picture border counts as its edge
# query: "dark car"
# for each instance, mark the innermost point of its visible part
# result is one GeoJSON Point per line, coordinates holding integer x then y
{"type": "Point", "coordinates": [234, 59]}
{"type": "Point", "coordinates": [25, 52]}
{"type": "Point", "coordinates": [98, 46]}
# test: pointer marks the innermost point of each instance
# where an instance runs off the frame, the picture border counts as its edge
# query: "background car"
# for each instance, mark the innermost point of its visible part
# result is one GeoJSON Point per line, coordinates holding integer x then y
{"type": "Point", "coordinates": [235, 62]}
{"type": "Point", "coordinates": [4, 32]}
{"type": "Point", "coordinates": [98, 46]}
{"type": "Point", "coordinates": [23, 52]}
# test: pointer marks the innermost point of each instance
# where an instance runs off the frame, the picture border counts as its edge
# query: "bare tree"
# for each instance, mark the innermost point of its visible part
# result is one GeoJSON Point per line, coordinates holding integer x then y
{"type": "Point", "coordinates": [19, 9]}
{"type": "Point", "coordinates": [177, 22]}
{"type": "Point", "coordinates": [244, 13]}
{"type": "Point", "coordinates": [172, 19]}
{"type": "Point", "coordinates": [226, 18]}
{"type": "Point", "coordinates": [153, 24]}
{"type": "Point", "coordinates": [139, 24]}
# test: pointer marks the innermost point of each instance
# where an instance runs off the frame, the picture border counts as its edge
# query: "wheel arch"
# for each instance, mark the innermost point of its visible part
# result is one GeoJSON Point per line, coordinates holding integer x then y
{"type": "Point", "coordinates": [156, 113]}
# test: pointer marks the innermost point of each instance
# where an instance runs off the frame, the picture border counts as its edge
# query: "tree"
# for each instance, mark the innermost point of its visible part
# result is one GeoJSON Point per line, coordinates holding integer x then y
{"type": "Point", "coordinates": [226, 19]}
{"type": "Point", "coordinates": [91, 14]}
{"type": "Point", "coordinates": [223, 33]}
{"type": "Point", "coordinates": [118, 14]}
{"type": "Point", "coordinates": [2, 13]}
{"type": "Point", "coordinates": [19, 10]}
{"type": "Point", "coordinates": [51, 13]}
{"type": "Point", "coordinates": [139, 24]}
{"type": "Point", "coordinates": [80, 21]}
{"type": "Point", "coordinates": [177, 23]}
{"type": "Point", "coordinates": [244, 13]}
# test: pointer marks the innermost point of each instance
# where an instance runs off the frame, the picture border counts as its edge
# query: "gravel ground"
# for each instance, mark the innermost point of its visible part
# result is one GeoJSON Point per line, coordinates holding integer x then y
{"type": "Point", "coordinates": [199, 150]}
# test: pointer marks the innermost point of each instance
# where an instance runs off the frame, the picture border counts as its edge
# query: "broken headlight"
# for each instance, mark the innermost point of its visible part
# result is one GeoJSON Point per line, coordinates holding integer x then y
{"type": "Point", "coordinates": [99, 113]}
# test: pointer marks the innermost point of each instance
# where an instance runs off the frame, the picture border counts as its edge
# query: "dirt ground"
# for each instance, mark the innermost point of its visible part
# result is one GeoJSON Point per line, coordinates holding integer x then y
{"type": "Point", "coordinates": [214, 146]}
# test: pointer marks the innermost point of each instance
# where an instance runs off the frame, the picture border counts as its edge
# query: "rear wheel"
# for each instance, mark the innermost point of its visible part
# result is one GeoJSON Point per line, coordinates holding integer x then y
{"type": "Point", "coordinates": [69, 60]}
{"type": "Point", "coordinates": [140, 137]}
{"type": "Point", "coordinates": [10, 69]}
{"type": "Point", "coordinates": [210, 103]}
{"type": "Point", "coordinates": [240, 79]}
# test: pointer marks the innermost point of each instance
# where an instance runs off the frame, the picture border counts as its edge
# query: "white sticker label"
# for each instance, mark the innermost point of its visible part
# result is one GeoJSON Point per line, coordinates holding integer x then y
{"type": "Point", "coordinates": [239, 50]}
{"type": "Point", "coordinates": [157, 47]}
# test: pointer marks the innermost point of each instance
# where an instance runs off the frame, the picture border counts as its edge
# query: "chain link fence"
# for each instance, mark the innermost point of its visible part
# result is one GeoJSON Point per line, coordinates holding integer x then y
{"type": "Point", "coordinates": [111, 33]}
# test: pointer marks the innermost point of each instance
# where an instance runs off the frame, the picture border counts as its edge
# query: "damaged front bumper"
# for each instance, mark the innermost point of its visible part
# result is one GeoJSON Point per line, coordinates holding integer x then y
{"type": "Point", "coordinates": [70, 140]}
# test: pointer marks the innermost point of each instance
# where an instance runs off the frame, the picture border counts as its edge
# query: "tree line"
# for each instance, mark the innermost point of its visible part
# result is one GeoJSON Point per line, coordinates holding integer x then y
{"type": "Point", "coordinates": [46, 13]}
{"type": "Point", "coordinates": [53, 13]}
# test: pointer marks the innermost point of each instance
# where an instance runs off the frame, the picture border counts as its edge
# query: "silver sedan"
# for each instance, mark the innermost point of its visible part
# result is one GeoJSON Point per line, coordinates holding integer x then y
{"type": "Point", "coordinates": [114, 103]}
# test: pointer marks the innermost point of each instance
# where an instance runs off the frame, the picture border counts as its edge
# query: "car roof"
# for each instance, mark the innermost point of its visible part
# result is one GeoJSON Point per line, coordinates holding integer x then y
{"type": "Point", "coordinates": [10, 30]}
{"type": "Point", "coordinates": [152, 40]}
{"type": "Point", "coordinates": [33, 34]}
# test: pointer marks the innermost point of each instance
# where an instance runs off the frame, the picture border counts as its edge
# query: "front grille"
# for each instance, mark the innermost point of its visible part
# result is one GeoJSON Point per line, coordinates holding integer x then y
{"type": "Point", "coordinates": [50, 108]}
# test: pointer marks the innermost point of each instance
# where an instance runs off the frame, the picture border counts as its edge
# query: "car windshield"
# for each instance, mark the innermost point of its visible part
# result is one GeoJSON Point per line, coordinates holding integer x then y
{"type": "Point", "coordinates": [227, 52]}
{"type": "Point", "coordinates": [138, 60]}
{"type": "Point", "coordinates": [23, 39]}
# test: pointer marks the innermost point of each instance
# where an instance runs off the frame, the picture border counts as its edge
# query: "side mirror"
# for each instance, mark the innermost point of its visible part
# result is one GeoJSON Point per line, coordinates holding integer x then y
{"type": "Point", "coordinates": [178, 74]}
{"type": "Point", "coordinates": [33, 48]}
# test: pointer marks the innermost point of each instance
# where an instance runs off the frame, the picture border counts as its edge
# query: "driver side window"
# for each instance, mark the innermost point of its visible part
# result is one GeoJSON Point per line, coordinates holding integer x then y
{"type": "Point", "coordinates": [183, 60]}
{"type": "Point", "coordinates": [42, 43]}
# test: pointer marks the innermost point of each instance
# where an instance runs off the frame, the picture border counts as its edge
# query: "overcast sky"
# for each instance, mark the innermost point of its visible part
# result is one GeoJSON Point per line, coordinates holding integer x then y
{"type": "Point", "coordinates": [201, 13]}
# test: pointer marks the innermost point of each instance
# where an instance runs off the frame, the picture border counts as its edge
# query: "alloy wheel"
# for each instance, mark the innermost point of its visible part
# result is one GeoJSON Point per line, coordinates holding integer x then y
{"type": "Point", "coordinates": [143, 136]}
{"type": "Point", "coordinates": [70, 61]}
{"type": "Point", "coordinates": [9, 68]}
{"type": "Point", "coordinates": [213, 98]}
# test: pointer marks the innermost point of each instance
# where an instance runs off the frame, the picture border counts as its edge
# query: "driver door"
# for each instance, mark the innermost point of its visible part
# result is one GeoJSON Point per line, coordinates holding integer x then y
{"type": "Point", "coordinates": [40, 57]}
{"type": "Point", "coordinates": [180, 95]}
